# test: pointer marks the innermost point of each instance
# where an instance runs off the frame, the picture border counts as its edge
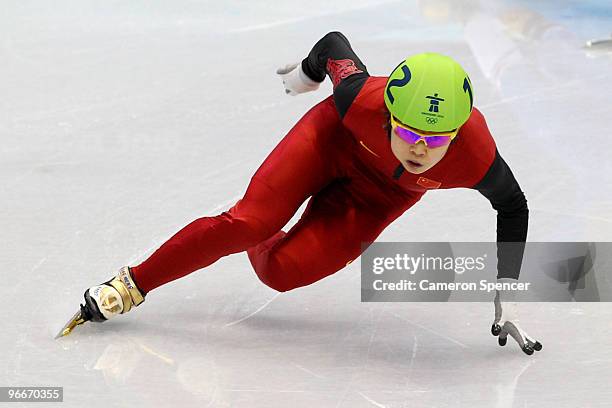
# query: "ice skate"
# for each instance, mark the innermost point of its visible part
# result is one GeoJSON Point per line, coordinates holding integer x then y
{"type": "Point", "coordinates": [109, 299]}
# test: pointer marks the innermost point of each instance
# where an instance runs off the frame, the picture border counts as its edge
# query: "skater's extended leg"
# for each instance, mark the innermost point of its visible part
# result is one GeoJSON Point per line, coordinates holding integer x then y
{"type": "Point", "coordinates": [303, 163]}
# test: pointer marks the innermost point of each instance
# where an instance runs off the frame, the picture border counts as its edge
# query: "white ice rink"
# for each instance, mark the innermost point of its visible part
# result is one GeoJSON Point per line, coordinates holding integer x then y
{"type": "Point", "coordinates": [122, 121]}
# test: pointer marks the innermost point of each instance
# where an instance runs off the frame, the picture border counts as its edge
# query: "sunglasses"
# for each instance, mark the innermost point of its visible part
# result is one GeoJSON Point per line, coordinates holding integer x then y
{"type": "Point", "coordinates": [411, 136]}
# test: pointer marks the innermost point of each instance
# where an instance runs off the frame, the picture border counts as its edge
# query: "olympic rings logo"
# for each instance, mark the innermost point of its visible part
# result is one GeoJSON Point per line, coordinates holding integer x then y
{"type": "Point", "coordinates": [431, 121]}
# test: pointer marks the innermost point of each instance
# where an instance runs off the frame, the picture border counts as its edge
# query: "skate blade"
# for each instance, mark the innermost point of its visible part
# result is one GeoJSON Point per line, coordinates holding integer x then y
{"type": "Point", "coordinates": [76, 320]}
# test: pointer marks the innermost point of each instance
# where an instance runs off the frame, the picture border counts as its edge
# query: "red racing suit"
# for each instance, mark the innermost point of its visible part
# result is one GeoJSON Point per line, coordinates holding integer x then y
{"type": "Point", "coordinates": [337, 156]}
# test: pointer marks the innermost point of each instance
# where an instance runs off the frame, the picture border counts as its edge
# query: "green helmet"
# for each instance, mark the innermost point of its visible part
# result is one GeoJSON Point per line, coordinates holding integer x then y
{"type": "Point", "coordinates": [429, 92]}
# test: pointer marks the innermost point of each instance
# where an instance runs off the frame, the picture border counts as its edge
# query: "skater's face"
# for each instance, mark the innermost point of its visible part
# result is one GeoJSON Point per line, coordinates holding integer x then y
{"type": "Point", "coordinates": [416, 157]}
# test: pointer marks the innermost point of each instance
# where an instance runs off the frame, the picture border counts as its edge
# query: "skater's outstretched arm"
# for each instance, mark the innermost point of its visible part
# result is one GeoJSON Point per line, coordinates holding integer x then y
{"type": "Point", "coordinates": [505, 195]}
{"type": "Point", "coordinates": [332, 55]}
{"type": "Point", "coordinates": [507, 198]}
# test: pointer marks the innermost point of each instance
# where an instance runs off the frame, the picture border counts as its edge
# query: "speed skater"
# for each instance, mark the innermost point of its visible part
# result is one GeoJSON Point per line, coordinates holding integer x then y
{"type": "Point", "coordinates": [361, 157]}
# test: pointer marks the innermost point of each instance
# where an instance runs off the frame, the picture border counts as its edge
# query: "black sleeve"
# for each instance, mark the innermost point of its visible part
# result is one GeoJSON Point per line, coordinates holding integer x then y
{"type": "Point", "coordinates": [332, 55]}
{"type": "Point", "coordinates": [506, 197]}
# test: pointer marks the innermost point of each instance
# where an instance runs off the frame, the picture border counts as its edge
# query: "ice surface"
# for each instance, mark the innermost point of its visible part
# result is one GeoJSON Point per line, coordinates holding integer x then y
{"type": "Point", "coordinates": [122, 121]}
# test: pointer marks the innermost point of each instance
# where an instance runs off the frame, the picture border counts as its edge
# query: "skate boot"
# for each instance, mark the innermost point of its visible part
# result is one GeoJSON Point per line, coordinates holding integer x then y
{"type": "Point", "coordinates": [109, 299]}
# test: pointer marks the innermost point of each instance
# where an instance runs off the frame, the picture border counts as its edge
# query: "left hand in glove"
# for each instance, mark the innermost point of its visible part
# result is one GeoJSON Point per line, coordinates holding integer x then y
{"type": "Point", "coordinates": [506, 322]}
{"type": "Point", "coordinates": [295, 80]}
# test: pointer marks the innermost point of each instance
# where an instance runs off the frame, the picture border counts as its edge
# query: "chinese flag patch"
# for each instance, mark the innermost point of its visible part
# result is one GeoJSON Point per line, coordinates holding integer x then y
{"type": "Point", "coordinates": [428, 184]}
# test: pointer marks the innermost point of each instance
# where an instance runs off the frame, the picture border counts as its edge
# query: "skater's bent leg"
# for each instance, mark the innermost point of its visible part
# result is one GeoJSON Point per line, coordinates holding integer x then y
{"type": "Point", "coordinates": [328, 237]}
{"type": "Point", "coordinates": [297, 168]}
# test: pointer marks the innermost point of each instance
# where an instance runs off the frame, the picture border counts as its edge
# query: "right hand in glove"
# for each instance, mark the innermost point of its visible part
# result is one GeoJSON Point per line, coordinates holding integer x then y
{"type": "Point", "coordinates": [295, 80]}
